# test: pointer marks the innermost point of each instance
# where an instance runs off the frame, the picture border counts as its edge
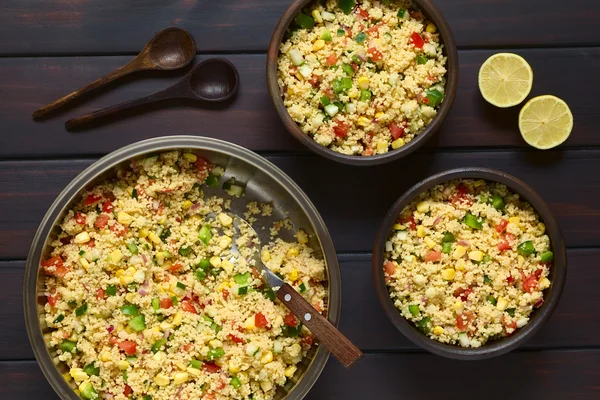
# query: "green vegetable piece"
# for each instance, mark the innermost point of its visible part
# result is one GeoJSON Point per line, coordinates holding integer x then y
{"type": "Point", "coordinates": [448, 237]}
{"type": "Point", "coordinates": [175, 300]}
{"type": "Point", "coordinates": [340, 106]}
{"type": "Point", "coordinates": [165, 234]}
{"type": "Point", "coordinates": [91, 369]}
{"type": "Point", "coordinates": [421, 60]}
{"type": "Point", "coordinates": [526, 248]}
{"type": "Point", "coordinates": [132, 287]}
{"type": "Point", "coordinates": [180, 285]}
{"type": "Point", "coordinates": [356, 59]}
{"type": "Point", "coordinates": [125, 376]}
{"type": "Point", "coordinates": [302, 287]}
{"type": "Point", "coordinates": [185, 250]}
{"type": "Point", "coordinates": [132, 248]}
{"type": "Point", "coordinates": [414, 310]}
{"type": "Point", "coordinates": [81, 310]}
{"type": "Point", "coordinates": [498, 202]}
{"type": "Point", "coordinates": [269, 294]}
{"type": "Point", "coordinates": [111, 290]}
{"type": "Point", "coordinates": [81, 252]}
{"type": "Point", "coordinates": [134, 194]}
{"type": "Point", "coordinates": [212, 181]}
{"type": "Point", "coordinates": [208, 319]}
{"type": "Point", "coordinates": [204, 264]}
{"type": "Point", "coordinates": [472, 221]}
{"type": "Point", "coordinates": [360, 37]}
{"type": "Point", "coordinates": [130, 309]}
{"type": "Point", "coordinates": [342, 84]}
{"type": "Point", "coordinates": [347, 68]}
{"type": "Point", "coordinates": [292, 331]}
{"type": "Point", "coordinates": [242, 279]}
{"type": "Point", "coordinates": [486, 279]}
{"type": "Point", "coordinates": [401, 13]}
{"type": "Point", "coordinates": [486, 258]}
{"type": "Point", "coordinates": [365, 95]}
{"type": "Point", "coordinates": [213, 354]}
{"type": "Point", "coordinates": [195, 363]}
{"type": "Point", "coordinates": [58, 319]}
{"type": "Point", "coordinates": [156, 346]}
{"type": "Point", "coordinates": [446, 247]}
{"type": "Point", "coordinates": [492, 300]}
{"type": "Point", "coordinates": [326, 35]}
{"type": "Point", "coordinates": [424, 325]}
{"type": "Point", "coordinates": [235, 382]}
{"type": "Point", "coordinates": [68, 345]}
{"type": "Point", "coordinates": [88, 392]}
{"type": "Point", "coordinates": [200, 274]}
{"type": "Point", "coordinates": [72, 303]}
{"type": "Point", "coordinates": [147, 397]}
{"type": "Point", "coordinates": [242, 290]}
{"type": "Point", "coordinates": [510, 311]}
{"type": "Point", "coordinates": [156, 304]}
{"type": "Point", "coordinates": [216, 271]}
{"type": "Point", "coordinates": [435, 97]}
{"type": "Point", "coordinates": [547, 256]}
{"type": "Point", "coordinates": [341, 32]}
{"type": "Point", "coordinates": [304, 21]}
{"type": "Point", "coordinates": [325, 101]}
{"type": "Point", "coordinates": [346, 6]}
{"type": "Point", "coordinates": [204, 234]}
{"type": "Point", "coordinates": [138, 323]}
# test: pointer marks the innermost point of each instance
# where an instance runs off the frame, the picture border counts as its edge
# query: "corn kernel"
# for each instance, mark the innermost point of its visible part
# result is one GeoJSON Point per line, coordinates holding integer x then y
{"type": "Point", "coordinates": [396, 144]}
{"type": "Point", "coordinates": [143, 233]}
{"type": "Point", "coordinates": [115, 256]}
{"type": "Point", "coordinates": [82, 237]}
{"type": "Point", "coordinates": [291, 91]}
{"type": "Point", "coordinates": [160, 355]}
{"type": "Point", "coordinates": [429, 242]}
{"type": "Point", "coordinates": [234, 367]}
{"type": "Point", "coordinates": [302, 237]}
{"type": "Point", "coordinates": [458, 306]}
{"type": "Point", "coordinates": [249, 324]}
{"type": "Point", "coordinates": [224, 242]}
{"type": "Point", "coordinates": [398, 227]}
{"type": "Point", "coordinates": [421, 231]}
{"type": "Point", "coordinates": [353, 93]}
{"type": "Point", "coordinates": [122, 365]}
{"type": "Point", "coordinates": [163, 219]}
{"type": "Point", "coordinates": [129, 190]}
{"type": "Point", "coordinates": [318, 45]}
{"type": "Point", "coordinates": [130, 297]}
{"type": "Point", "coordinates": [543, 283]}
{"type": "Point", "coordinates": [380, 115]}
{"type": "Point", "coordinates": [181, 365]}
{"type": "Point", "coordinates": [542, 227]}
{"type": "Point", "coordinates": [363, 121]}
{"type": "Point", "coordinates": [154, 238]}
{"type": "Point", "coordinates": [124, 218]}
{"type": "Point", "coordinates": [520, 261]}
{"type": "Point", "coordinates": [501, 304]}
{"type": "Point", "coordinates": [459, 251]}
{"type": "Point", "coordinates": [460, 265]}
{"type": "Point", "coordinates": [222, 286]}
{"type": "Point", "coordinates": [423, 206]}
{"type": "Point", "coordinates": [215, 261]}
{"type": "Point", "coordinates": [265, 256]}
{"type": "Point", "coordinates": [317, 16]}
{"type": "Point", "coordinates": [190, 157]}
{"type": "Point", "coordinates": [431, 28]}
{"type": "Point", "coordinates": [293, 276]}
{"type": "Point", "coordinates": [187, 205]}
{"type": "Point", "coordinates": [224, 219]}
{"type": "Point", "coordinates": [290, 371]}
{"type": "Point", "coordinates": [194, 372]}
{"type": "Point", "coordinates": [266, 385]}
{"type": "Point", "coordinates": [180, 377]}
{"type": "Point", "coordinates": [476, 255]}
{"type": "Point", "coordinates": [84, 263]}
{"type": "Point", "coordinates": [105, 356]}
{"type": "Point", "coordinates": [267, 357]}
{"type": "Point", "coordinates": [67, 377]}
{"type": "Point", "coordinates": [448, 274]}
{"type": "Point", "coordinates": [515, 221]}
{"type": "Point", "coordinates": [78, 374]}
{"type": "Point", "coordinates": [126, 279]}
{"type": "Point", "coordinates": [160, 258]}
{"type": "Point", "coordinates": [161, 379]}
{"type": "Point", "coordinates": [363, 82]}
{"type": "Point", "coordinates": [292, 252]}
{"type": "Point", "coordinates": [177, 318]}
{"type": "Point", "coordinates": [438, 330]}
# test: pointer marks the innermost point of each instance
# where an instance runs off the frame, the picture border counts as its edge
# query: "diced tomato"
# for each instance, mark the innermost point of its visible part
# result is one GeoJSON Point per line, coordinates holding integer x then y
{"type": "Point", "coordinates": [118, 229]}
{"type": "Point", "coordinates": [54, 266]}
{"type": "Point", "coordinates": [530, 283]}
{"type": "Point", "coordinates": [260, 321]}
{"type": "Point", "coordinates": [101, 221]}
{"type": "Point", "coordinates": [340, 129]}
{"type": "Point", "coordinates": [113, 340]}
{"type": "Point", "coordinates": [538, 273]}
{"type": "Point", "coordinates": [187, 305]}
{"type": "Point", "coordinates": [462, 196]}
{"type": "Point", "coordinates": [463, 293]}
{"type": "Point", "coordinates": [411, 221]}
{"type": "Point", "coordinates": [503, 245]}
{"type": "Point", "coordinates": [307, 340]}
{"type": "Point", "coordinates": [464, 320]}
{"type": "Point", "coordinates": [290, 320]}
{"type": "Point", "coordinates": [539, 303]}
{"type": "Point", "coordinates": [362, 12]}
{"type": "Point", "coordinates": [166, 303]}
{"type": "Point", "coordinates": [510, 237]}
{"type": "Point", "coordinates": [100, 294]}
{"type": "Point", "coordinates": [236, 339]}
{"type": "Point", "coordinates": [374, 54]}
{"type": "Point", "coordinates": [91, 199]}
{"type": "Point", "coordinates": [314, 81]}
{"type": "Point", "coordinates": [211, 367]}
{"type": "Point", "coordinates": [188, 347]}
{"type": "Point", "coordinates": [80, 218]}
{"type": "Point", "coordinates": [501, 225]}
{"type": "Point", "coordinates": [225, 294]}
{"type": "Point", "coordinates": [91, 243]}
{"type": "Point", "coordinates": [128, 346]}
{"type": "Point", "coordinates": [374, 29]}
{"type": "Point", "coordinates": [510, 279]}
{"type": "Point", "coordinates": [127, 391]}
{"type": "Point", "coordinates": [108, 207]}
{"type": "Point", "coordinates": [417, 40]}
{"type": "Point", "coordinates": [389, 268]}
{"type": "Point", "coordinates": [509, 324]}
{"type": "Point", "coordinates": [433, 256]}
{"type": "Point", "coordinates": [367, 152]}
{"type": "Point", "coordinates": [354, 66]}
{"type": "Point", "coordinates": [396, 130]}
{"type": "Point", "coordinates": [52, 300]}
{"type": "Point", "coordinates": [331, 60]}
{"type": "Point", "coordinates": [176, 267]}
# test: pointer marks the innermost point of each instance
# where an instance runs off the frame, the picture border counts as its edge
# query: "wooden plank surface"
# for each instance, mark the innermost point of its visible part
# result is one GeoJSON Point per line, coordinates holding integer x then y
{"type": "Point", "coordinates": [363, 195]}
{"type": "Point", "coordinates": [545, 375]}
{"type": "Point", "coordinates": [28, 83]}
{"type": "Point", "coordinates": [109, 26]}
{"type": "Point", "coordinates": [573, 325]}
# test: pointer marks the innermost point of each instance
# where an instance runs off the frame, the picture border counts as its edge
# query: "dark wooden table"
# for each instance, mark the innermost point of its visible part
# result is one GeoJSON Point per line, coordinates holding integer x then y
{"type": "Point", "coordinates": [48, 48]}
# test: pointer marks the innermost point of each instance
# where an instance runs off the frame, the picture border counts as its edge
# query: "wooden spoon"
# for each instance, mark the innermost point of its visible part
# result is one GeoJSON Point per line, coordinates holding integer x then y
{"type": "Point", "coordinates": [212, 80]}
{"type": "Point", "coordinates": [169, 49]}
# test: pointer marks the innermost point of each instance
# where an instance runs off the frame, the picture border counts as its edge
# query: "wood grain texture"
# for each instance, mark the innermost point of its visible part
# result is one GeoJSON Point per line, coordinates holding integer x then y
{"type": "Point", "coordinates": [546, 375]}
{"type": "Point", "coordinates": [363, 195]}
{"type": "Point", "coordinates": [108, 26]}
{"type": "Point", "coordinates": [574, 323]}
{"type": "Point", "coordinates": [250, 119]}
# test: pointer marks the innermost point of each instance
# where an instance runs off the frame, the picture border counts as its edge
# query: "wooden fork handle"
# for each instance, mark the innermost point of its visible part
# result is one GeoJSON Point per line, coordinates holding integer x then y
{"type": "Point", "coordinates": [328, 335]}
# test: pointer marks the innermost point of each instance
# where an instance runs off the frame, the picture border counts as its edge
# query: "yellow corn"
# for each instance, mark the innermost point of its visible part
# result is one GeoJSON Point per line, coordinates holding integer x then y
{"type": "Point", "coordinates": [161, 379]}
{"type": "Point", "coordinates": [84, 263]}
{"type": "Point", "coordinates": [181, 365]}
{"type": "Point", "coordinates": [194, 372]}
{"type": "Point", "coordinates": [115, 256]}
{"type": "Point", "coordinates": [290, 371]}
{"type": "Point", "coordinates": [292, 252]}
{"type": "Point", "coordinates": [459, 251]}
{"type": "Point", "coordinates": [222, 286]}
{"type": "Point", "coordinates": [353, 93]}
{"type": "Point", "coordinates": [542, 227]}
{"type": "Point", "coordinates": [318, 45]}
{"type": "Point", "coordinates": [431, 28]}
{"type": "Point", "coordinates": [143, 233]}
{"type": "Point", "coordinates": [78, 374]}
{"type": "Point", "coordinates": [363, 121]}
{"type": "Point", "coordinates": [302, 237]}
{"type": "Point", "coordinates": [543, 283]}
{"type": "Point", "coordinates": [317, 16]}
{"type": "Point", "coordinates": [458, 306]}
{"type": "Point", "coordinates": [129, 191]}
{"type": "Point", "coordinates": [429, 242]}
{"type": "Point", "coordinates": [423, 206]}
{"type": "Point", "coordinates": [515, 221]}
{"type": "Point", "coordinates": [398, 227]}
{"type": "Point", "coordinates": [267, 357]}
{"type": "Point", "coordinates": [215, 261]}
{"type": "Point", "coordinates": [501, 304]}
{"type": "Point", "coordinates": [67, 377]}
{"type": "Point", "coordinates": [476, 255]}
{"type": "Point", "coordinates": [163, 219]}
{"type": "Point", "coordinates": [265, 256]}
{"type": "Point", "coordinates": [438, 330]}
{"type": "Point", "coordinates": [479, 182]}
{"type": "Point", "coordinates": [396, 144]}
{"type": "Point", "coordinates": [124, 218]}
{"type": "Point", "coordinates": [82, 237]}
{"type": "Point", "coordinates": [460, 265]}
{"type": "Point", "coordinates": [293, 275]}
{"type": "Point", "coordinates": [520, 261]}
{"type": "Point", "coordinates": [126, 279]}
{"type": "Point", "coordinates": [234, 367]}
{"type": "Point", "coordinates": [363, 82]}
{"type": "Point", "coordinates": [187, 205]}
{"type": "Point", "coordinates": [154, 238]}
{"type": "Point", "coordinates": [224, 219]}
{"type": "Point", "coordinates": [224, 242]}
{"type": "Point", "coordinates": [380, 116]}
{"type": "Point", "coordinates": [105, 356]}
{"type": "Point", "coordinates": [382, 147]}
{"type": "Point", "coordinates": [160, 258]}
{"type": "Point", "coordinates": [291, 91]}
{"type": "Point", "coordinates": [130, 297]}
{"type": "Point", "coordinates": [421, 231]}
{"type": "Point", "coordinates": [215, 343]}
{"type": "Point", "coordinates": [190, 157]}
{"type": "Point", "coordinates": [177, 318]}
{"type": "Point", "coordinates": [160, 355]}
{"type": "Point", "coordinates": [122, 365]}
{"type": "Point", "coordinates": [180, 377]}
{"type": "Point", "coordinates": [448, 274]}
{"type": "Point", "coordinates": [249, 324]}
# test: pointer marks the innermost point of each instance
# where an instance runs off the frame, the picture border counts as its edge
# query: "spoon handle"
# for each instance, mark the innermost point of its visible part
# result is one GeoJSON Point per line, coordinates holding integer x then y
{"type": "Point", "coordinates": [79, 122]}
{"type": "Point", "coordinates": [122, 71]}
{"type": "Point", "coordinates": [328, 335]}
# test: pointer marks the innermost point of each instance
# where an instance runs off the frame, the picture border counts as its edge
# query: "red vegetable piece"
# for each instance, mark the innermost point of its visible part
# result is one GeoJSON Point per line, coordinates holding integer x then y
{"type": "Point", "coordinates": [91, 199]}
{"type": "Point", "coordinates": [396, 130]}
{"type": "Point", "coordinates": [433, 256]}
{"type": "Point", "coordinates": [501, 225]}
{"type": "Point", "coordinates": [236, 339]}
{"type": "Point", "coordinates": [417, 40]}
{"type": "Point", "coordinates": [211, 367]}
{"type": "Point", "coordinates": [260, 321]}
{"type": "Point", "coordinates": [340, 129]}
{"type": "Point", "coordinates": [80, 218]}
{"type": "Point", "coordinates": [331, 60]}
{"type": "Point", "coordinates": [463, 293]}
{"type": "Point", "coordinates": [108, 207]}
{"type": "Point", "coordinates": [464, 320]}
{"type": "Point", "coordinates": [54, 266]}
{"type": "Point", "coordinates": [187, 305]}
{"type": "Point", "coordinates": [128, 346]}
{"type": "Point", "coordinates": [166, 303]}
{"type": "Point", "coordinates": [127, 391]}
{"type": "Point", "coordinates": [389, 268]}
{"type": "Point", "coordinates": [100, 294]}
{"type": "Point", "coordinates": [374, 54]}
{"type": "Point", "coordinates": [290, 320]}
{"type": "Point", "coordinates": [101, 221]}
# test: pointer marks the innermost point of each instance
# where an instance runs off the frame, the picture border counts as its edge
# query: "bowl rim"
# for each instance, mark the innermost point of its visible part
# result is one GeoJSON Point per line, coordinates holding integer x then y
{"type": "Point", "coordinates": [452, 74]}
{"type": "Point", "coordinates": [166, 143]}
{"type": "Point", "coordinates": [492, 348]}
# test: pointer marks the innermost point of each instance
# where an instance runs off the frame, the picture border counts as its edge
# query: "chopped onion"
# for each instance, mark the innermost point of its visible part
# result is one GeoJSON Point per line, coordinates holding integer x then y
{"type": "Point", "coordinates": [463, 243]}
{"type": "Point", "coordinates": [437, 220]}
{"type": "Point", "coordinates": [362, 54]}
{"type": "Point", "coordinates": [305, 70]}
{"type": "Point", "coordinates": [110, 329]}
{"type": "Point", "coordinates": [350, 108]}
{"type": "Point", "coordinates": [142, 292]}
{"type": "Point", "coordinates": [402, 235]}
{"type": "Point", "coordinates": [388, 246]}
{"type": "Point", "coordinates": [195, 206]}
{"type": "Point", "coordinates": [331, 109]}
{"type": "Point", "coordinates": [167, 334]}
{"type": "Point", "coordinates": [327, 16]}
{"type": "Point", "coordinates": [144, 258]}
{"type": "Point", "coordinates": [296, 57]}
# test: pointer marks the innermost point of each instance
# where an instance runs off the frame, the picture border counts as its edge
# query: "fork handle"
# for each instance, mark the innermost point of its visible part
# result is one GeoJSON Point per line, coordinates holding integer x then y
{"type": "Point", "coordinates": [328, 335]}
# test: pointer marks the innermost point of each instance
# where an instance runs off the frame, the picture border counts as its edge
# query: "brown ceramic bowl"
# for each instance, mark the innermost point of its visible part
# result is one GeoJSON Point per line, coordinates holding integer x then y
{"type": "Point", "coordinates": [447, 39]}
{"type": "Point", "coordinates": [558, 271]}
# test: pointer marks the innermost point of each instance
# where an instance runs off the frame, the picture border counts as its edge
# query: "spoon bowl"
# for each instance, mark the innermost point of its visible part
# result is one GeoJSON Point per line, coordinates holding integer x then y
{"type": "Point", "coordinates": [214, 80]}
{"type": "Point", "coordinates": [171, 48]}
